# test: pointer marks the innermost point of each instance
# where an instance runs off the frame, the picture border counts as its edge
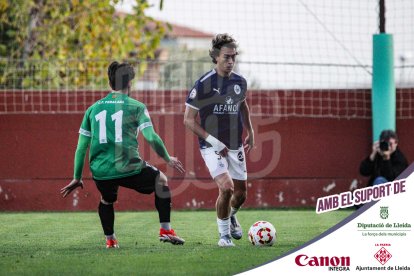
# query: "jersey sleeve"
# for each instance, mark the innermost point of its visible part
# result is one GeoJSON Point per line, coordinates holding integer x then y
{"type": "Point", "coordinates": [85, 128]}
{"type": "Point", "coordinates": [83, 144]}
{"type": "Point", "coordinates": [144, 119]}
{"type": "Point", "coordinates": [156, 143]}
{"type": "Point", "coordinates": [193, 99]}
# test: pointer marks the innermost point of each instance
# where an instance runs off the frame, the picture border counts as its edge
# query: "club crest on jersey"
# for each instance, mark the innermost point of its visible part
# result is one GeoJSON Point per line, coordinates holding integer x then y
{"type": "Point", "coordinates": [193, 93]}
{"type": "Point", "coordinates": [237, 89]}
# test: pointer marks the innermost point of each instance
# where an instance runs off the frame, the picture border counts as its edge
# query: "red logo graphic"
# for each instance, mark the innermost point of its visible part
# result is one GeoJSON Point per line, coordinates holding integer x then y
{"type": "Point", "coordinates": [383, 256]}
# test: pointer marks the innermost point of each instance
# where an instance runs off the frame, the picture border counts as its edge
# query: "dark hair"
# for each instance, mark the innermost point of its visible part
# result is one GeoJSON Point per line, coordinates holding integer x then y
{"type": "Point", "coordinates": [119, 75]}
{"type": "Point", "coordinates": [219, 41]}
{"type": "Point", "coordinates": [387, 134]}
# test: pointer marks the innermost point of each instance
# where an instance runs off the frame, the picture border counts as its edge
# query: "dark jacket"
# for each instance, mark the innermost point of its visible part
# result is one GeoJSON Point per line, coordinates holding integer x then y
{"type": "Point", "coordinates": [389, 169]}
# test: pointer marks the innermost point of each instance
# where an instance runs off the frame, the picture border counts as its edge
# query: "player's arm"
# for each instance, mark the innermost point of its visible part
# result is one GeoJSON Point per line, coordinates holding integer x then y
{"type": "Point", "coordinates": [247, 123]}
{"type": "Point", "coordinates": [158, 146]}
{"type": "Point", "coordinates": [82, 147]}
{"type": "Point", "coordinates": [156, 143]}
{"type": "Point", "coordinates": [190, 121]}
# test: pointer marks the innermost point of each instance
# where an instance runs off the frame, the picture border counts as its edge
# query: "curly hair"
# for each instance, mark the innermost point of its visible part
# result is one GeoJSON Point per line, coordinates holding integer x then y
{"type": "Point", "coordinates": [119, 75]}
{"type": "Point", "coordinates": [219, 41]}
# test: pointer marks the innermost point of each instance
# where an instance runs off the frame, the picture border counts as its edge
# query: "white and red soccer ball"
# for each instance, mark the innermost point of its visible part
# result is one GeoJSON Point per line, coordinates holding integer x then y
{"type": "Point", "coordinates": [262, 233]}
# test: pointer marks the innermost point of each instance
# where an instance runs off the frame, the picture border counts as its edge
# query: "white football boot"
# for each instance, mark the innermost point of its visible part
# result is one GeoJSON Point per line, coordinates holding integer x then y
{"type": "Point", "coordinates": [225, 241]}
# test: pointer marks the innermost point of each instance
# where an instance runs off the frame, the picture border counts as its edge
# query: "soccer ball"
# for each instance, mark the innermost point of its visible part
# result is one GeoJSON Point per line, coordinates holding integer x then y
{"type": "Point", "coordinates": [262, 233]}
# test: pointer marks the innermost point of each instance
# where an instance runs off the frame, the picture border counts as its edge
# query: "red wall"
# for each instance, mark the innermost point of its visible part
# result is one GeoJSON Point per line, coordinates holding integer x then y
{"type": "Point", "coordinates": [296, 161]}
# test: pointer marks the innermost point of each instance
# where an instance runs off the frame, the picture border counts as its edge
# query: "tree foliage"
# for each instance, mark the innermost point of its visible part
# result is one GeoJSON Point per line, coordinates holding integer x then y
{"type": "Point", "coordinates": [58, 41]}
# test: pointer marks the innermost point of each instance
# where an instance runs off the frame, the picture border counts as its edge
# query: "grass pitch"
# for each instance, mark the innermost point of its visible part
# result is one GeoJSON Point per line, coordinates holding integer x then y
{"type": "Point", "coordinates": [73, 243]}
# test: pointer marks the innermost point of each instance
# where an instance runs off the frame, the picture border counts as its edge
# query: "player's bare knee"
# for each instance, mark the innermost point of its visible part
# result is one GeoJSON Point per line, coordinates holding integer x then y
{"type": "Point", "coordinates": [226, 191]}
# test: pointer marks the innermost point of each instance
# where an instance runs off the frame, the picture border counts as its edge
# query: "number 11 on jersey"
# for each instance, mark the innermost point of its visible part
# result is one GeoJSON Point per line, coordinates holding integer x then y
{"type": "Point", "coordinates": [101, 119]}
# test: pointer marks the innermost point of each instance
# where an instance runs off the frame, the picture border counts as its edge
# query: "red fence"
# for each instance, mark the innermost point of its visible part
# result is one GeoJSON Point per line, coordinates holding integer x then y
{"type": "Point", "coordinates": [296, 160]}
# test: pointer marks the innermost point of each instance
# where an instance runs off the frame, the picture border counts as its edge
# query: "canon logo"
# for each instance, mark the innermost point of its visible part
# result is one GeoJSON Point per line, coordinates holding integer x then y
{"type": "Point", "coordinates": [304, 260]}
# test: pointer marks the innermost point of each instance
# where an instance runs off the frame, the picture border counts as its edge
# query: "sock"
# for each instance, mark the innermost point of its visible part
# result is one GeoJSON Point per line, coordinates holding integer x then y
{"type": "Point", "coordinates": [107, 216]}
{"type": "Point", "coordinates": [163, 204]}
{"type": "Point", "coordinates": [234, 211]}
{"type": "Point", "coordinates": [165, 225]}
{"type": "Point", "coordinates": [223, 226]}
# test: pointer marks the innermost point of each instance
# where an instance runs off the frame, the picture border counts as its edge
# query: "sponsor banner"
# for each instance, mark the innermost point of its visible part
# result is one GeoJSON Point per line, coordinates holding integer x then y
{"type": "Point", "coordinates": [374, 240]}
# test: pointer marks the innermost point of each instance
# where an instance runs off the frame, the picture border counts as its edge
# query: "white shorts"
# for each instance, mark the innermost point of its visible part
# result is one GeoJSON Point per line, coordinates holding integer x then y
{"type": "Point", "coordinates": [234, 163]}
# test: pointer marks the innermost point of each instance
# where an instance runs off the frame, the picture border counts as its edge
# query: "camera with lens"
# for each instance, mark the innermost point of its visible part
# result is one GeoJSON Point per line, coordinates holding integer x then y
{"type": "Point", "coordinates": [384, 145]}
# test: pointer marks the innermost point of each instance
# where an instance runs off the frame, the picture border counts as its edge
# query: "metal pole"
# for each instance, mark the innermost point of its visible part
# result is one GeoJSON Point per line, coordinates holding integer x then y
{"type": "Point", "coordinates": [383, 93]}
{"type": "Point", "coordinates": [382, 16]}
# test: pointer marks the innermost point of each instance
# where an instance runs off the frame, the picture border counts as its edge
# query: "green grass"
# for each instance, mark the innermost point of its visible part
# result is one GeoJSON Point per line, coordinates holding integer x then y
{"type": "Point", "coordinates": [73, 243]}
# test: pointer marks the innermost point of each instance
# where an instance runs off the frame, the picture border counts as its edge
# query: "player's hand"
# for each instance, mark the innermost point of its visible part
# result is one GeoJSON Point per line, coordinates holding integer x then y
{"type": "Point", "coordinates": [75, 183]}
{"type": "Point", "coordinates": [385, 154]}
{"type": "Point", "coordinates": [217, 145]}
{"type": "Point", "coordinates": [176, 164]}
{"type": "Point", "coordinates": [249, 142]}
{"type": "Point", "coordinates": [224, 152]}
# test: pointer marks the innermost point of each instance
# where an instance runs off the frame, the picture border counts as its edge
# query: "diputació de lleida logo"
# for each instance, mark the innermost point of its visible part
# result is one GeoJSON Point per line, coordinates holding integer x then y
{"type": "Point", "coordinates": [384, 212]}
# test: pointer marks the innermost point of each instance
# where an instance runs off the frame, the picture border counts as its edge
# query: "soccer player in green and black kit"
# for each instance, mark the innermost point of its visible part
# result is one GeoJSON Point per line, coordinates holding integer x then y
{"type": "Point", "coordinates": [110, 128]}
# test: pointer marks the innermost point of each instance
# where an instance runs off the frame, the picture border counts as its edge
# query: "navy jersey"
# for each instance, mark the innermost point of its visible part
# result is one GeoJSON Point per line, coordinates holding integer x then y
{"type": "Point", "coordinates": [218, 100]}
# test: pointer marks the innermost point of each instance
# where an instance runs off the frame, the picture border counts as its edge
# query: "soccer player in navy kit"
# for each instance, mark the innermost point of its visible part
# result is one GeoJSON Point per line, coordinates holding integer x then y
{"type": "Point", "coordinates": [219, 98]}
{"type": "Point", "coordinates": [110, 128]}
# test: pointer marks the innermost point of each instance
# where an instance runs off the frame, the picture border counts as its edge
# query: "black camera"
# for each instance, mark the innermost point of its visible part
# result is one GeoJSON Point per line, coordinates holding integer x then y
{"type": "Point", "coordinates": [384, 145]}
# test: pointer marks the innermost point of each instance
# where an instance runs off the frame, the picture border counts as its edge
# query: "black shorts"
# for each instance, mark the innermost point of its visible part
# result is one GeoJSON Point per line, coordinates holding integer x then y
{"type": "Point", "coordinates": [143, 182]}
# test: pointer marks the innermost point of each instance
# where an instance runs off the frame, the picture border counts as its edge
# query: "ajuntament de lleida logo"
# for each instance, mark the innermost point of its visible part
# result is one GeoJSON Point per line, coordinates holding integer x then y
{"type": "Point", "coordinates": [384, 212]}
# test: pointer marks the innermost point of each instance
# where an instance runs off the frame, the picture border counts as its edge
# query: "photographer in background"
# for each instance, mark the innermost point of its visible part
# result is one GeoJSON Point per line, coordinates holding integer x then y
{"type": "Point", "coordinates": [385, 162]}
